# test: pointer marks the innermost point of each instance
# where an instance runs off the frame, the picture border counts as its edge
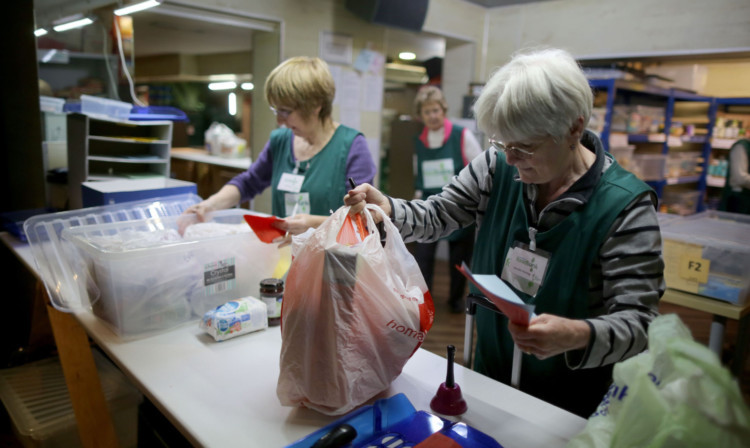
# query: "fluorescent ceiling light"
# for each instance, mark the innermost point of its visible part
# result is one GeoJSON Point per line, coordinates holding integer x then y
{"type": "Point", "coordinates": [247, 86]}
{"type": "Point", "coordinates": [74, 24]}
{"type": "Point", "coordinates": [228, 85]}
{"type": "Point", "coordinates": [40, 32]}
{"type": "Point", "coordinates": [407, 56]}
{"type": "Point", "coordinates": [232, 100]}
{"type": "Point", "coordinates": [130, 9]}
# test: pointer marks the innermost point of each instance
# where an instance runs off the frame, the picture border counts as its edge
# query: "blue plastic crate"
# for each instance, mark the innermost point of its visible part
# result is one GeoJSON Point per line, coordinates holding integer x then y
{"type": "Point", "coordinates": [394, 422]}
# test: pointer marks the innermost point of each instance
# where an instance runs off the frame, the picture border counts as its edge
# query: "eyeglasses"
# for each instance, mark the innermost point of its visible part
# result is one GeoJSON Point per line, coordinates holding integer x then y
{"type": "Point", "coordinates": [518, 152]}
{"type": "Point", "coordinates": [281, 113]}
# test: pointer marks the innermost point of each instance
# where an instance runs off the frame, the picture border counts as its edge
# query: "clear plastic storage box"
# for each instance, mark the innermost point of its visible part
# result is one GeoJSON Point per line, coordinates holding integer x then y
{"type": "Point", "coordinates": [37, 400]}
{"type": "Point", "coordinates": [104, 107]}
{"type": "Point", "coordinates": [131, 266]}
{"type": "Point", "coordinates": [707, 254]}
{"type": "Point", "coordinates": [149, 276]}
{"type": "Point", "coordinates": [650, 166]}
{"type": "Point", "coordinates": [680, 202]}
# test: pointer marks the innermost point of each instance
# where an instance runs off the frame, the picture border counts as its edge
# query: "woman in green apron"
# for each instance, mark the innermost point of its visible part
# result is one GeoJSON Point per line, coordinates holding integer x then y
{"type": "Point", "coordinates": [735, 197]}
{"type": "Point", "coordinates": [308, 160]}
{"type": "Point", "coordinates": [569, 229]}
{"type": "Point", "coordinates": [442, 149]}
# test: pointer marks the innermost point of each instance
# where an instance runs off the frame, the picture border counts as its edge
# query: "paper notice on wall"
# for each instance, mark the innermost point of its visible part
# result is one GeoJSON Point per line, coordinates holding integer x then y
{"type": "Point", "coordinates": [336, 75]}
{"type": "Point", "coordinates": [374, 145]}
{"type": "Point", "coordinates": [369, 61]}
{"type": "Point", "coordinates": [335, 48]}
{"type": "Point", "coordinates": [349, 116]}
{"type": "Point", "coordinates": [348, 89]}
{"type": "Point", "coordinates": [372, 92]}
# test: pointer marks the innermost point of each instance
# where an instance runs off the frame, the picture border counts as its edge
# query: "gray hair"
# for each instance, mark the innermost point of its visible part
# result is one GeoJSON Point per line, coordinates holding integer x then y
{"type": "Point", "coordinates": [538, 93]}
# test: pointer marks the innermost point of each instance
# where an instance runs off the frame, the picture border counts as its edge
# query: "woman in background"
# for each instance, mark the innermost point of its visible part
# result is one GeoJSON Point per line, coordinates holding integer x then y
{"type": "Point", "coordinates": [308, 160]}
{"type": "Point", "coordinates": [735, 197]}
{"type": "Point", "coordinates": [442, 150]}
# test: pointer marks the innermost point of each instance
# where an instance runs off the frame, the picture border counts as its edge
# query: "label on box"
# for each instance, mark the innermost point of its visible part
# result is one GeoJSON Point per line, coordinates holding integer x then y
{"type": "Point", "coordinates": [219, 276]}
{"type": "Point", "coordinates": [677, 256]}
{"type": "Point", "coordinates": [694, 268]}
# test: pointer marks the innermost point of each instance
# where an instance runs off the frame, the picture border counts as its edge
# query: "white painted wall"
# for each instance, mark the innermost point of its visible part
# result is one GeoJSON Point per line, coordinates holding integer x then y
{"type": "Point", "coordinates": [593, 28]}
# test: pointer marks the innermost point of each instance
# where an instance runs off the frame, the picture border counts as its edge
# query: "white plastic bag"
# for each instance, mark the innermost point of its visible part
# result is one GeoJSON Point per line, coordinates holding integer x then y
{"type": "Point", "coordinates": [677, 394]}
{"type": "Point", "coordinates": [352, 316]}
{"type": "Point", "coordinates": [220, 140]}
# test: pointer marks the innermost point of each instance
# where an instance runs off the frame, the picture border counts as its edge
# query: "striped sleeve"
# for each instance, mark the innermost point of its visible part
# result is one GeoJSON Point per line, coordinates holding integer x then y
{"type": "Point", "coordinates": [626, 284]}
{"type": "Point", "coordinates": [461, 203]}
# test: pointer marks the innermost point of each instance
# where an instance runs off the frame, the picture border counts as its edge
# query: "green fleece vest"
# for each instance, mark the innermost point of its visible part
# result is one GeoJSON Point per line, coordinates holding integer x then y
{"type": "Point", "coordinates": [736, 201]}
{"type": "Point", "coordinates": [450, 150]}
{"type": "Point", "coordinates": [325, 173]}
{"type": "Point", "coordinates": [573, 244]}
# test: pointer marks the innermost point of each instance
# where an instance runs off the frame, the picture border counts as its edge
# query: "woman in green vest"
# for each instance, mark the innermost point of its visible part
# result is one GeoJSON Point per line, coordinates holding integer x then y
{"type": "Point", "coordinates": [442, 149]}
{"type": "Point", "coordinates": [308, 160]}
{"type": "Point", "coordinates": [735, 197]}
{"type": "Point", "coordinates": [569, 229]}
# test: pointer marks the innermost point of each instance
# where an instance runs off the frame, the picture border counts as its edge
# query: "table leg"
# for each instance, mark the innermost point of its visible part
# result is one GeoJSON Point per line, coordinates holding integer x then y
{"type": "Point", "coordinates": [716, 339]}
{"type": "Point", "coordinates": [740, 352]}
{"type": "Point", "coordinates": [95, 425]}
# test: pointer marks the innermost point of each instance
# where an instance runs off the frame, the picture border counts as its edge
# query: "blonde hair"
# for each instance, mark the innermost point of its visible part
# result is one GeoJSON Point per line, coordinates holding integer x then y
{"type": "Point", "coordinates": [302, 83]}
{"type": "Point", "coordinates": [539, 93]}
{"type": "Point", "coordinates": [428, 94]}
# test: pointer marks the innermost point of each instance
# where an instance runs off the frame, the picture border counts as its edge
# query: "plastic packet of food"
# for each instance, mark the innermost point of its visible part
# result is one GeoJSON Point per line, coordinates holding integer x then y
{"type": "Point", "coordinates": [235, 318]}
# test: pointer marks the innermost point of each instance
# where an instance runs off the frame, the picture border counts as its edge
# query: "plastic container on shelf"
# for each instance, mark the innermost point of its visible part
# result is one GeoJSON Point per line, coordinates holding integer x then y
{"type": "Point", "coordinates": [707, 254]}
{"type": "Point", "coordinates": [623, 155]}
{"type": "Point", "coordinates": [681, 164]}
{"type": "Point", "coordinates": [51, 104]}
{"type": "Point", "coordinates": [104, 107]}
{"type": "Point", "coordinates": [680, 202]}
{"type": "Point", "coordinates": [36, 398]}
{"type": "Point", "coordinates": [153, 274]}
{"type": "Point", "coordinates": [650, 166]}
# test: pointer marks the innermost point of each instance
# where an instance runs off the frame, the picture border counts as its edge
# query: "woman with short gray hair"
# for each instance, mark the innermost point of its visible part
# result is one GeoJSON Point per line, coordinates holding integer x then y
{"type": "Point", "coordinates": [559, 220]}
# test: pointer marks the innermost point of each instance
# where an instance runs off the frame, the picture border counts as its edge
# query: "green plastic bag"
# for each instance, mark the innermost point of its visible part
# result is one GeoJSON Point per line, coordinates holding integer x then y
{"type": "Point", "coordinates": [677, 394]}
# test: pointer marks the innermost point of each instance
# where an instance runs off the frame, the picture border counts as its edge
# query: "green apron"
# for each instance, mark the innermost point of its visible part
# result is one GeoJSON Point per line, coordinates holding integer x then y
{"type": "Point", "coordinates": [736, 201]}
{"type": "Point", "coordinates": [325, 172]}
{"type": "Point", "coordinates": [451, 149]}
{"type": "Point", "coordinates": [573, 245]}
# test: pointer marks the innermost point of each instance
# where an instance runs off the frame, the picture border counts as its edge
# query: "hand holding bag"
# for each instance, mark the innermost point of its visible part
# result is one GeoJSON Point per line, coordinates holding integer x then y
{"type": "Point", "coordinates": [352, 315]}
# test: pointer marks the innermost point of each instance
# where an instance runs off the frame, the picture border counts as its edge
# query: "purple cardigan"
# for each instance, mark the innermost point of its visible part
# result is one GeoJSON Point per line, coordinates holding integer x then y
{"type": "Point", "coordinates": [359, 166]}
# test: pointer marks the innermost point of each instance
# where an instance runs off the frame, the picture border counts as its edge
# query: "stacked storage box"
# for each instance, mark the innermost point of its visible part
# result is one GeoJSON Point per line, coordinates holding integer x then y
{"type": "Point", "coordinates": [707, 254]}
{"type": "Point", "coordinates": [36, 398]}
{"type": "Point", "coordinates": [157, 273]}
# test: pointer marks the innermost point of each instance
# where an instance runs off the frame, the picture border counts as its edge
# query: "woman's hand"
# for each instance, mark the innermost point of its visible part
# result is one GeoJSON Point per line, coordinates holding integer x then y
{"type": "Point", "coordinates": [548, 335]}
{"type": "Point", "coordinates": [200, 210]}
{"type": "Point", "coordinates": [297, 224]}
{"type": "Point", "coordinates": [367, 194]}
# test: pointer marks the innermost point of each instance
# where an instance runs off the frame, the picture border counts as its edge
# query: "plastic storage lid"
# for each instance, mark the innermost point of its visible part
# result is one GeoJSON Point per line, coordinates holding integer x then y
{"type": "Point", "coordinates": [36, 395]}
{"type": "Point", "coordinates": [718, 229]}
{"type": "Point", "coordinates": [52, 254]}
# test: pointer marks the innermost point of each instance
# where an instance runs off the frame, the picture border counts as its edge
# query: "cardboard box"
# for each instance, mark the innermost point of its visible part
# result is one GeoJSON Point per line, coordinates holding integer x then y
{"type": "Point", "coordinates": [119, 191]}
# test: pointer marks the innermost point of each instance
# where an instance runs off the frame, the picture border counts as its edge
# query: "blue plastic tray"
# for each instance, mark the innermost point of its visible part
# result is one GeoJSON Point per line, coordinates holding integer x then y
{"type": "Point", "coordinates": [394, 422]}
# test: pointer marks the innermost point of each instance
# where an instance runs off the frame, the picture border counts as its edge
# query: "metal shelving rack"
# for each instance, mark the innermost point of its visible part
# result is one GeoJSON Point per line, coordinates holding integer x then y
{"type": "Point", "coordinates": [631, 90]}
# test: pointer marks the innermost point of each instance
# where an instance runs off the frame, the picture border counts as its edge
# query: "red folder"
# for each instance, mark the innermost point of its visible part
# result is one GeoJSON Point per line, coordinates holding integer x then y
{"type": "Point", "coordinates": [262, 227]}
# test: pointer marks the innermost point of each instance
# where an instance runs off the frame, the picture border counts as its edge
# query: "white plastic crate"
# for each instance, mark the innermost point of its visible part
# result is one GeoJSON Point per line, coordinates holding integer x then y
{"type": "Point", "coordinates": [104, 107]}
{"type": "Point", "coordinates": [37, 400]}
{"type": "Point", "coordinates": [145, 276]}
{"type": "Point", "coordinates": [707, 254]}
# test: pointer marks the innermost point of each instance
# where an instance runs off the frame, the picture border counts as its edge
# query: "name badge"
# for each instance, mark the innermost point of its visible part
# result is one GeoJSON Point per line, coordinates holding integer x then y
{"type": "Point", "coordinates": [524, 269]}
{"type": "Point", "coordinates": [437, 173]}
{"type": "Point", "coordinates": [295, 203]}
{"type": "Point", "coordinates": [291, 182]}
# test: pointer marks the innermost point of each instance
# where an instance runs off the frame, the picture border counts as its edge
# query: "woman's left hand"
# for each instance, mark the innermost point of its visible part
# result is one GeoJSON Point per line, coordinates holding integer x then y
{"type": "Point", "coordinates": [549, 335]}
{"type": "Point", "coordinates": [296, 224]}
